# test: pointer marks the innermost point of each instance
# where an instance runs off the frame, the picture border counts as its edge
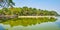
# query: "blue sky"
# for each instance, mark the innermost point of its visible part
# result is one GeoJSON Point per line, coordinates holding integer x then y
{"type": "Point", "coordinates": [41, 4]}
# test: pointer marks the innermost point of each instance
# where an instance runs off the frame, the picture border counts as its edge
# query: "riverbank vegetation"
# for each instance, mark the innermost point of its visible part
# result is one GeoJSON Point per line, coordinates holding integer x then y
{"type": "Point", "coordinates": [6, 13]}
{"type": "Point", "coordinates": [27, 11]}
{"type": "Point", "coordinates": [10, 15]}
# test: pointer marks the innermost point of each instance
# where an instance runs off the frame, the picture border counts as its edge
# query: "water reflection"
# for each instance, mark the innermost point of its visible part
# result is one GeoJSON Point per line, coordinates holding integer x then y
{"type": "Point", "coordinates": [1, 27]}
{"type": "Point", "coordinates": [43, 26]}
{"type": "Point", "coordinates": [32, 24]}
{"type": "Point", "coordinates": [46, 26]}
{"type": "Point", "coordinates": [28, 21]}
{"type": "Point", "coordinates": [58, 22]}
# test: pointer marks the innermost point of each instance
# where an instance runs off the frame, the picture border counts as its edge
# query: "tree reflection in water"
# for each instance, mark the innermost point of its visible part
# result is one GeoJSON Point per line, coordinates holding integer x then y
{"type": "Point", "coordinates": [28, 21]}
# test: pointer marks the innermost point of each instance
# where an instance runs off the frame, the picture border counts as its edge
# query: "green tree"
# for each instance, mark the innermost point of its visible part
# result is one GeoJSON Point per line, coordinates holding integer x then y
{"type": "Point", "coordinates": [6, 3]}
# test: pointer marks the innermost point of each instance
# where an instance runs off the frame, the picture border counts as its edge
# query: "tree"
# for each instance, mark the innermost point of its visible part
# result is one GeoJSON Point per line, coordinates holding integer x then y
{"type": "Point", "coordinates": [6, 3]}
{"type": "Point", "coordinates": [53, 13]}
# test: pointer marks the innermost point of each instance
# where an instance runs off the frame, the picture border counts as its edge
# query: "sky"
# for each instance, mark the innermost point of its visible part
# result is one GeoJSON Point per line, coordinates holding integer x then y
{"type": "Point", "coordinates": [53, 5]}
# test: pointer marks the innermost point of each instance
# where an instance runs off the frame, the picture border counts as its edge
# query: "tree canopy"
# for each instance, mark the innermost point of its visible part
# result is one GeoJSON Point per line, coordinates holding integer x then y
{"type": "Point", "coordinates": [29, 11]}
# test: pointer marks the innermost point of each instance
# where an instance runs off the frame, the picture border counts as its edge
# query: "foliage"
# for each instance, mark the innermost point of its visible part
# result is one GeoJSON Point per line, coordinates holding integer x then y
{"type": "Point", "coordinates": [6, 3]}
{"type": "Point", "coordinates": [26, 11]}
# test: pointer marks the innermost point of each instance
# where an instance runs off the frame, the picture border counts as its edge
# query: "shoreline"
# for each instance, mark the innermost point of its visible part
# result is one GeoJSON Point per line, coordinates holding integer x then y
{"type": "Point", "coordinates": [35, 16]}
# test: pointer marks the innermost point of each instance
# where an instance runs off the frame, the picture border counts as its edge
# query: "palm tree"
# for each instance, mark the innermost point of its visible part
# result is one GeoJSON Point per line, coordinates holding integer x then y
{"type": "Point", "coordinates": [6, 3]}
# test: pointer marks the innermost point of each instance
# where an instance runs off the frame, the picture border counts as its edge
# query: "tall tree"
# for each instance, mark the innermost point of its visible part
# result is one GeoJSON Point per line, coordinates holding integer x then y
{"type": "Point", "coordinates": [6, 3]}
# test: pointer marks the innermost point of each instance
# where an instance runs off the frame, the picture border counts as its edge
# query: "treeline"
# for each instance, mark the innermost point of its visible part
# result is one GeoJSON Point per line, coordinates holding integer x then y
{"type": "Point", "coordinates": [27, 11]}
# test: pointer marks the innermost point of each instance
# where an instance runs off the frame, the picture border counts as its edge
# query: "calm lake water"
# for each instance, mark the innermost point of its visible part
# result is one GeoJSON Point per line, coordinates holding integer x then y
{"type": "Point", "coordinates": [43, 26]}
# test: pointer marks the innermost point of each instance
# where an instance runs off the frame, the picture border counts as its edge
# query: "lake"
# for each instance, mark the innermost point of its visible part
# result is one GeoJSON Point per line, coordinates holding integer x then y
{"type": "Point", "coordinates": [43, 26]}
